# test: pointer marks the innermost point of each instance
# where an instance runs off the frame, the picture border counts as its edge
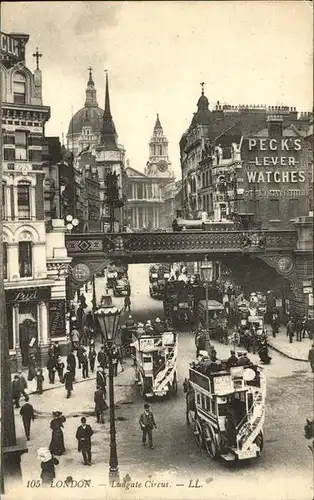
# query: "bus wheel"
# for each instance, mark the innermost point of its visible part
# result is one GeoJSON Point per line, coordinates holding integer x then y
{"type": "Point", "coordinates": [210, 442]}
{"type": "Point", "coordinates": [198, 433]}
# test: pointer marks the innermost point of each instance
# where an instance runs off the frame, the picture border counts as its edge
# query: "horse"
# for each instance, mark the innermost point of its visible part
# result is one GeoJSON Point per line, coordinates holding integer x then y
{"type": "Point", "coordinates": [309, 432]}
{"type": "Point", "coordinates": [190, 399]}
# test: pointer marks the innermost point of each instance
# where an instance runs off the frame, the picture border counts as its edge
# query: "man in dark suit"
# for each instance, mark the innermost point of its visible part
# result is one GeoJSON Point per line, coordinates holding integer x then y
{"type": "Point", "coordinates": [100, 378]}
{"type": "Point", "coordinates": [27, 413]}
{"type": "Point", "coordinates": [68, 382]}
{"type": "Point", "coordinates": [100, 404]}
{"type": "Point", "coordinates": [71, 362]}
{"type": "Point", "coordinates": [83, 435]}
{"type": "Point", "coordinates": [102, 358]}
{"type": "Point", "coordinates": [147, 423]}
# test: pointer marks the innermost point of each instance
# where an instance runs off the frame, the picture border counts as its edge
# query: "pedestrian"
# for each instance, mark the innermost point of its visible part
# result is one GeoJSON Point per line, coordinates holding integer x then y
{"type": "Point", "coordinates": [27, 414]}
{"type": "Point", "coordinates": [311, 357]}
{"type": "Point", "coordinates": [127, 303]}
{"type": "Point", "coordinates": [39, 381]}
{"type": "Point", "coordinates": [232, 360]}
{"type": "Point", "coordinates": [90, 320]}
{"type": "Point", "coordinates": [51, 367]}
{"type": "Point", "coordinates": [83, 435]}
{"type": "Point", "coordinates": [48, 463]}
{"type": "Point", "coordinates": [100, 404]}
{"type": "Point", "coordinates": [83, 301]}
{"type": "Point", "coordinates": [147, 423]}
{"type": "Point", "coordinates": [75, 337]}
{"type": "Point", "coordinates": [100, 378]}
{"type": "Point", "coordinates": [56, 446]}
{"type": "Point", "coordinates": [60, 368]}
{"type": "Point", "coordinates": [80, 315]}
{"type": "Point", "coordinates": [56, 350]}
{"type": "Point", "coordinates": [85, 336]}
{"type": "Point", "coordinates": [68, 382]}
{"type": "Point", "coordinates": [298, 329]}
{"type": "Point", "coordinates": [16, 391]}
{"type": "Point", "coordinates": [101, 357]}
{"type": "Point", "coordinates": [84, 365]}
{"type": "Point", "coordinates": [200, 343]}
{"type": "Point", "coordinates": [79, 354]}
{"type": "Point", "coordinates": [31, 368]}
{"type": "Point", "coordinates": [23, 384]}
{"type": "Point", "coordinates": [290, 330]}
{"type": "Point", "coordinates": [71, 363]}
{"type": "Point", "coordinates": [92, 357]}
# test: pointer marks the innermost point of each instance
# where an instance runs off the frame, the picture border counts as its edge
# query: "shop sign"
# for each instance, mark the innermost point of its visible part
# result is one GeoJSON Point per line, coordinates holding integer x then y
{"type": "Point", "coordinates": [11, 47]}
{"type": "Point", "coordinates": [28, 295]}
{"type": "Point", "coordinates": [57, 326]}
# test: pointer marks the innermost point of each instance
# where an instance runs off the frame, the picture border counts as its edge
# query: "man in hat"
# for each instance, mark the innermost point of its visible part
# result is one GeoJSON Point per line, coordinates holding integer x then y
{"type": "Point", "coordinates": [158, 326]}
{"type": "Point", "coordinates": [129, 322]}
{"type": "Point", "coordinates": [16, 391]}
{"type": "Point", "coordinates": [84, 365]}
{"type": "Point", "coordinates": [92, 357]}
{"type": "Point", "coordinates": [75, 337]}
{"type": "Point", "coordinates": [51, 367]}
{"type": "Point", "coordinates": [127, 303]}
{"type": "Point", "coordinates": [23, 384]}
{"type": "Point", "coordinates": [100, 404]}
{"type": "Point", "coordinates": [147, 423]}
{"type": "Point", "coordinates": [101, 357]}
{"type": "Point", "coordinates": [311, 357]}
{"type": "Point", "coordinates": [71, 362]}
{"type": "Point", "coordinates": [27, 414]}
{"type": "Point", "coordinates": [68, 382]}
{"type": "Point", "coordinates": [232, 360]}
{"type": "Point", "coordinates": [243, 359]}
{"type": "Point", "coordinates": [83, 435]}
{"type": "Point", "coordinates": [100, 378]}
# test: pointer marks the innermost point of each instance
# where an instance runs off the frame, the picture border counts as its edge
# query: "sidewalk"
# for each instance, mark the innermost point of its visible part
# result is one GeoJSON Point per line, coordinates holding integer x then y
{"type": "Point", "coordinates": [297, 350]}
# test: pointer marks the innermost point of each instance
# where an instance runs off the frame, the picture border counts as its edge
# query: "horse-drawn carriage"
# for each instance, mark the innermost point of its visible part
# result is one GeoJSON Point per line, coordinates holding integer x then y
{"type": "Point", "coordinates": [217, 319]}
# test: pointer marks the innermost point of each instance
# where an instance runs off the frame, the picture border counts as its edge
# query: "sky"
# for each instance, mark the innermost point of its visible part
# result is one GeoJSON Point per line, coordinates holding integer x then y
{"type": "Point", "coordinates": [157, 53]}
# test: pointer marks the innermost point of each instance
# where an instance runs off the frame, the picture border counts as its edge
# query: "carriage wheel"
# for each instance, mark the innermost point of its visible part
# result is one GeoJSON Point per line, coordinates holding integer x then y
{"type": "Point", "coordinates": [210, 442]}
{"type": "Point", "coordinates": [198, 433]}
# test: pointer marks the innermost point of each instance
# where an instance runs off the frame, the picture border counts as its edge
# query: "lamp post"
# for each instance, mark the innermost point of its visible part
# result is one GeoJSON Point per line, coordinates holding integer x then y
{"type": "Point", "coordinates": [206, 270]}
{"type": "Point", "coordinates": [108, 317]}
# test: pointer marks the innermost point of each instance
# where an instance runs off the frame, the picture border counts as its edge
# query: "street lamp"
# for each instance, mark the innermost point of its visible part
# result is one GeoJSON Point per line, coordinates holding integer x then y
{"type": "Point", "coordinates": [71, 222]}
{"type": "Point", "coordinates": [206, 270]}
{"type": "Point", "coordinates": [108, 317]}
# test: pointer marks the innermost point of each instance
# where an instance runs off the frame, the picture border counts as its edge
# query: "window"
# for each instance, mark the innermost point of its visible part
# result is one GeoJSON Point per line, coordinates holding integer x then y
{"type": "Point", "coordinates": [130, 191]}
{"type": "Point", "coordinates": [34, 155]}
{"type": "Point", "coordinates": [20, 145]}
{"type": "Point", "coordinates": [160, 150]}
{"type": "Point", "coordinates": [19, 88]}
{"type": "Point", "coordinates": [223, 211]}
{"type": "Point", "coordinates": [149, 191]}
{"type": "Point", "coordinates": [25, 259]}
{"type": "Point", "coordinates": [8, 138]}
{"type": "Point", "coordinates": [8, 154]}
{"type": "Point", "coordinates": [139, 191]}
{"type": "Point", "coordinates": [293, 208]}
{"type": "Point", "coordinates": [274, 209]}
{"type": "Point", "coordinates": [23, 201]}
{"type": "Point", "coordinates": [4, 188]}
{"type": "Point", "coordinates": [203, 180]}
{"type": "Point", "coordinates": [5, 261]}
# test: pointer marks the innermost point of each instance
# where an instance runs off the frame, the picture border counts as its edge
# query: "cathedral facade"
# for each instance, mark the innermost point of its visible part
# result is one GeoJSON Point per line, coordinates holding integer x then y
{"type": "Point", "coordinates": [145, 199]}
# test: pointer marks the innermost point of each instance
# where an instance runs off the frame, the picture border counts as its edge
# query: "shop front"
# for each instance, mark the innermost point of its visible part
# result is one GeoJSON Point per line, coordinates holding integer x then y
{"type": "Point", "coordinates": [33, 321]}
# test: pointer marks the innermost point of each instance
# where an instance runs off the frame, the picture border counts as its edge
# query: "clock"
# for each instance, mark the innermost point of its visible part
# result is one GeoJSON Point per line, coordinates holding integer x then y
{"type": "Point", "coordinates": [81, 273]}
{"type": "Point", "coordinates": [162, 165]}
{"type": "Point", "coordinates": [284, 265]}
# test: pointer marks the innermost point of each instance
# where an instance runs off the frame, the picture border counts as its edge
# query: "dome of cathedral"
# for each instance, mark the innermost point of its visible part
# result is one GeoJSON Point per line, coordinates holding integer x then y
{"type": "Point", "coordinates": [91, 116]}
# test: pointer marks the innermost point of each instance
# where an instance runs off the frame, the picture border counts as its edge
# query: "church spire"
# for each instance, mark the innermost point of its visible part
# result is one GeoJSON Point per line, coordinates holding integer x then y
{"type": "Point", "coordinates": [91, 99]}
{"type": "Point", "coordinates": [108, 133]}
{"type": "Point", "coordinates": [157, 124]}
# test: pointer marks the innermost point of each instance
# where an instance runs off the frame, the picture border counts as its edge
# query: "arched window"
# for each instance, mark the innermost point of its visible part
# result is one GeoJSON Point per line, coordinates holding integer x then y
{"type": "Point", "coordinates": [19, 88]}
{"type": "Point", "coordinates": [223, 211]}
{"type": "Point", "coordinates": [23, 201]}
{"type": "Point", "coordinates": [25, 259]}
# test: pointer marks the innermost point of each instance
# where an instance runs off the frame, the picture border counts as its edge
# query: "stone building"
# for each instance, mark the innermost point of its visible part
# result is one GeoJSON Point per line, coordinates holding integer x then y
{"type": "Point", "coordinates": [34, 293]}
{"type": "Point", "coordinates": [92, 138]}
{"type": "Point", "coordinates": [145, 207]}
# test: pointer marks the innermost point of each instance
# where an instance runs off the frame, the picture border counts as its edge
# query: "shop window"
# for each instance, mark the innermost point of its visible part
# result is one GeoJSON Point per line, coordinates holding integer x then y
{"type": "Point", "coordinates": [20, 145]}
{"type": "Point", "coordinates": [5, 260]}
{"type": "Point", "coordinates": [293, 208]}
{"type": "Point", "coordinates": [23, 201]}
{"type": "Point", "coordinates": [19, 88]}
{"type": "Point", "coordinates": [25, 259]}
{"type": "Point", "coordinates": [28, 329]}
{"type": "Point", "coordinates": [274, 210]}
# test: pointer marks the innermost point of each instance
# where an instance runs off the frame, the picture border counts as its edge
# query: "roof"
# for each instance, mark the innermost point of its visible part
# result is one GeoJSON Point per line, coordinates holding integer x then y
{"type": "Point", "coordinates": [131, 172]}
{"type": "Point", "coordinates": [87, 116]}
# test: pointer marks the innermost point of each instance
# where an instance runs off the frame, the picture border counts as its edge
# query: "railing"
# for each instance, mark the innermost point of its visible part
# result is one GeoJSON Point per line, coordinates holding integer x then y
{"type": "Point", "coordinates": [185, 241]}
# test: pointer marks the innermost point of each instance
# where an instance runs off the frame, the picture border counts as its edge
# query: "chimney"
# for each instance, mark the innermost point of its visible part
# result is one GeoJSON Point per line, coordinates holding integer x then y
{"type": "Point", "coordinates": [274, 125]}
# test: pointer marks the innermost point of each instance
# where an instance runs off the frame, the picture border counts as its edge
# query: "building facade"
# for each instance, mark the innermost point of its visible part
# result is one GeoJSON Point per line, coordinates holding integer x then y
{"type": "Point", "coordinates": [93, 140]}
{"type": "Point", "coordinates": [35, 296]}
{"type": "Point", "coordinates": [145, 205]}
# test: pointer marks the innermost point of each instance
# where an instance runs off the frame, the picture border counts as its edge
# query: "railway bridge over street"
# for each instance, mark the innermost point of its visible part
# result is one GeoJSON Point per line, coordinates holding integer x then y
{"type": "Point", "coordinates": [287, 253]}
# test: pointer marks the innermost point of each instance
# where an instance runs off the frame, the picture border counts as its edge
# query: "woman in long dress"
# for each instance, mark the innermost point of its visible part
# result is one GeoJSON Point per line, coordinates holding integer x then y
{"type": "Point", "coordinates": [56, 446]}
